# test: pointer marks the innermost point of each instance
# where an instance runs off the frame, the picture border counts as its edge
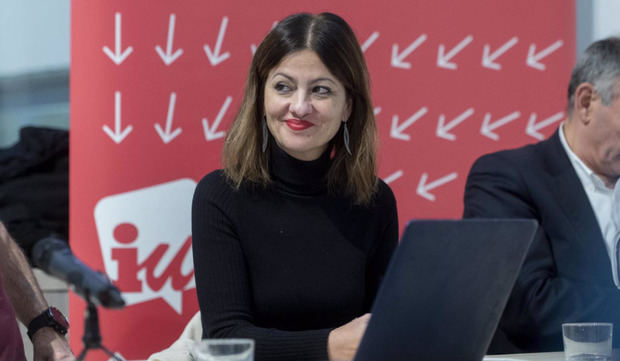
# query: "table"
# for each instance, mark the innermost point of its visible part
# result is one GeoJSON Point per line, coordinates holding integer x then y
{"type": "Point", "coordinates": [542, 356]}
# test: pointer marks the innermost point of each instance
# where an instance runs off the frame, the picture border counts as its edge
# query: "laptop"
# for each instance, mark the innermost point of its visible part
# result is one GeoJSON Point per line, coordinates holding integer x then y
{"type": "Point", "coordinates": [445, 289]}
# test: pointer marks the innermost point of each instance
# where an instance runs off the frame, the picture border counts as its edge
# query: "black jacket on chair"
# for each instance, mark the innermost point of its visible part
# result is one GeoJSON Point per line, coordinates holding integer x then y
{"type": "Point", "coordinates": [567, 275]}
{"type": "Point", "coordinates": [34, 186]}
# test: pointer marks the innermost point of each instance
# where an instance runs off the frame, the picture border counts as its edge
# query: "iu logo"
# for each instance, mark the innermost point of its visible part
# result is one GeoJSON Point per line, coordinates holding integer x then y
{"type": "Point", "coordinates": [145, 239]}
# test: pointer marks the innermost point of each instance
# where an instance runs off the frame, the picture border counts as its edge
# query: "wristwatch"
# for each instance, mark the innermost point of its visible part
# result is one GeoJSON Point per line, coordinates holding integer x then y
{"type": "Point", "coordinates": [51, 317]}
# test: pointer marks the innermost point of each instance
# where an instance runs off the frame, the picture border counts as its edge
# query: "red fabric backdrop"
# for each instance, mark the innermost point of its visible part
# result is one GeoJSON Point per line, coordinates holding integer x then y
{"type": "Point", "coordinates": [155, 85]}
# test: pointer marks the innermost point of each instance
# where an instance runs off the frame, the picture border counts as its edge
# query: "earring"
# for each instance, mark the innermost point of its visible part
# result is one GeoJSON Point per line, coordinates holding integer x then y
{"type": "Point", "coordinates": [346, 137]}
{"type": "Point", "coordinates": [265, 133]}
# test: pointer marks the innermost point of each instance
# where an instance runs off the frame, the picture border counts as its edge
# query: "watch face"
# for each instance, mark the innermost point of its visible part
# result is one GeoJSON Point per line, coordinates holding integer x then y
{"type": "Point", "coordinates": [59, 318]}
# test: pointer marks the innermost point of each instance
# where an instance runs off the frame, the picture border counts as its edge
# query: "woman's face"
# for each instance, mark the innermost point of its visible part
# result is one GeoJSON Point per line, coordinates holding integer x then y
{"type": "Point", "coordinates": [304, 105]}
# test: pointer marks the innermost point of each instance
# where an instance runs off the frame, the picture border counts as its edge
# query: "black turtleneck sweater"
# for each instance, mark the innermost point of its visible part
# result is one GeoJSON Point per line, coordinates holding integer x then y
{"type": "Point", "coordinates": [286, 264]}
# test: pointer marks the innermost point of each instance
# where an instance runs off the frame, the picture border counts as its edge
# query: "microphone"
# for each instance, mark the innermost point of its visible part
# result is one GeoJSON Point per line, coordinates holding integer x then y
{"type": "Point", "coordinates": [54, 256]}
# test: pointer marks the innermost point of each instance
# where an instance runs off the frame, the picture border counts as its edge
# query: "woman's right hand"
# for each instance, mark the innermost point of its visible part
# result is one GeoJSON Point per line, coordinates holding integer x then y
{"type": "Point", "coordinates": [343, 341]}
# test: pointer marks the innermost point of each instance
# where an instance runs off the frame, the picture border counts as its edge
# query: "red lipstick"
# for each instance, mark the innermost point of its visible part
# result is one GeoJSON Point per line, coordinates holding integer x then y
{"type": "Point", "coordinates": [298, 124]}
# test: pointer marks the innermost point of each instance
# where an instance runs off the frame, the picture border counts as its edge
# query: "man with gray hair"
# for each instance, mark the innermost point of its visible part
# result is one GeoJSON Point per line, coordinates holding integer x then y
{"type": "Point", "coordinates": [569, 183]}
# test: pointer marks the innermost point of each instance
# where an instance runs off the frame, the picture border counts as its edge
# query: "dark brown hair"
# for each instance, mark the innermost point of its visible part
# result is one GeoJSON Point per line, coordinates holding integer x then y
{"type": "Point", "coordinates": [331, 38]}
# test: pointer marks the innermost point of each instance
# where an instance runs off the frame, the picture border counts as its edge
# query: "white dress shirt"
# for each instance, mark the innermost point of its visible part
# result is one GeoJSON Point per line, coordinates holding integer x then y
{"type": "Point", "coordinates": [605, 203]}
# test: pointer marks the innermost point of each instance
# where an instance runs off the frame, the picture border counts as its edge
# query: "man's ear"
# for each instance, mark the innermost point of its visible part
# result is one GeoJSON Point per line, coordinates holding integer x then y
{"type": "Point", "coordinates": [585, 95]}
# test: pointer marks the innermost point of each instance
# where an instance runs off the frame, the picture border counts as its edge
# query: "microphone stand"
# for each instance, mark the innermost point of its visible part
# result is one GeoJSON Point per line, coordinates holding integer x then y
{"type": "Point", "coordinates": [92, 336]}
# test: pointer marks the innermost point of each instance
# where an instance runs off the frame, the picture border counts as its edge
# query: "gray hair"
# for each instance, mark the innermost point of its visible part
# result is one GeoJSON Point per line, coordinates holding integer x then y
{"type": "Point", "coordinates": [599, 66]}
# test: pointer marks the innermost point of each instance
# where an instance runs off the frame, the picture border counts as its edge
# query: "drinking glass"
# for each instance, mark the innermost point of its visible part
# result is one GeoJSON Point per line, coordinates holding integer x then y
{"type": "Point", "coordinates": [589, 341]}
{"type": "Point", "coordinates": [231, 349]}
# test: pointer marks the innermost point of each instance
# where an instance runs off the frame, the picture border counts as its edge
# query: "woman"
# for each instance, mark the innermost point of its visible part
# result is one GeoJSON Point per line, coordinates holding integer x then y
{"type": "Point", "coordinates": [292, 237]}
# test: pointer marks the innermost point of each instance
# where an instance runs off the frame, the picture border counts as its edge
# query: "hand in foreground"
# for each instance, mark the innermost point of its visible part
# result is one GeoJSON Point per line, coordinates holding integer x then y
{"type": "Point", "coordinates": [343, 341]}
{"type": "Point", "coordinates": [48, 345]}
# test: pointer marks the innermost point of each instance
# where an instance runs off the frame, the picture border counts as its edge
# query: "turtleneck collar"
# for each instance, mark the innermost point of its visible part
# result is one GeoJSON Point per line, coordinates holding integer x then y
{"type": "Point", "coordinates": [298, 176]}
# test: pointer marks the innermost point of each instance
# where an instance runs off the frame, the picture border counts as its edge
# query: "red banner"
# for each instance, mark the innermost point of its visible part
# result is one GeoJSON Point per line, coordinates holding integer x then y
{"type": "Point", "coordinates": [155, 86]}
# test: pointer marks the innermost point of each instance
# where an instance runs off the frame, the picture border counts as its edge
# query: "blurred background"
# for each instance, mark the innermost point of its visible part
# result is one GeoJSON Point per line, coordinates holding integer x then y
{"type": "Point", "coordinates": [35, 60]}
{"type": "Point", "coordinates": [34, 65]}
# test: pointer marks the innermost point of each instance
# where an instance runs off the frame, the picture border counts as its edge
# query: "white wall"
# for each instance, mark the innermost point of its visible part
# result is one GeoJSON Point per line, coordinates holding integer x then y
{"type": "Point", "coordinates": [34, 65]}
{"type": "Point", "coordinates": [596, 19]}
{"type": "Point", "coordinates": [34, 35]}
{"type": "Point", "coordinates": [606, 18]}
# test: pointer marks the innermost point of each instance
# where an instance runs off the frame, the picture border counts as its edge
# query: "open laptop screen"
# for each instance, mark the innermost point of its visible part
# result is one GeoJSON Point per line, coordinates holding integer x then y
{"type": "Point", "coordinates": [445, 289]}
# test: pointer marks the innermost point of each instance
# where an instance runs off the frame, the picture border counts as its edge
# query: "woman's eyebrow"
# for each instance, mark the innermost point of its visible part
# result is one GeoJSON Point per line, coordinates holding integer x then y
{"type": "Point", "coordinates": [311, 82]}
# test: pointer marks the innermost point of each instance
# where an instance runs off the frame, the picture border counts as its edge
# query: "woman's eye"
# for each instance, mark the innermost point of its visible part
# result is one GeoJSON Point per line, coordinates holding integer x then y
{"type": "Point", "coordinates": [281, 87]}
{"type": "Point", "coordinates": [322, 90]}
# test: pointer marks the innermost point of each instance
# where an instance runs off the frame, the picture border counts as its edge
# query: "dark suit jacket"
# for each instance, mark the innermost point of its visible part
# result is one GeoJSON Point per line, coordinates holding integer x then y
{"type": "Point", "coordinates": [567, 274]}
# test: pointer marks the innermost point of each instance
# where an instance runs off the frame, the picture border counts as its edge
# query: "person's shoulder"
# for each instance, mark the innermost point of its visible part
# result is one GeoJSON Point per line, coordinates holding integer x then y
{"type": "Point", "coordinates": [213, 178]}
{"type": "Point", "coordinates": [213, 184]}
{"type": "Point", "coordinates": [526, 155]}
{"type": "Point", "coordinates": [384, 197]}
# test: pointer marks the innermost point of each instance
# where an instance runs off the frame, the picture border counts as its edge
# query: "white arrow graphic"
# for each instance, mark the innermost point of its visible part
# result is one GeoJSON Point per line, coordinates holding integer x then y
{"type": "Point", "coordinates": [396, 130]}
{"type": "Point", "coordinates": [443, 129]}
{"type": "Point", "coordinates": [443, 60]}
{"type": "Point", "coordinates": [117, 135]}
{"type": "Point", "coordinates": [397, 59]}
{"type": "Point", "coordinates": [169, 57]}
{"type": "Point", "coordinates": [118, 56]}
{"type": "Point", "coordinates": [488, 58]}
{"type": "Point", "coordinates": [488, 127]}
{"type": "Point", "coordinates": [166, 135]}
{"type": "Point", "coordinates": [533, 58]}
{"type": "Point", "coordinates": [533, 127]}
{"type": "Point", "coordinates": [423, 188]}
{"type": "Point", "coordinates": [371, 39]}
{"type": "Point", "coordinates": [211, 133]}
{"type": "Point", "coordinates": [394, 176]}
{"type": "Point", "coordinates": [214, 56]}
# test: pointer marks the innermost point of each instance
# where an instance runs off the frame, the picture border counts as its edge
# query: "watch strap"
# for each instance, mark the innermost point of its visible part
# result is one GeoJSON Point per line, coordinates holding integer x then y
{"type": "Point", "coordinates": [48, 318]}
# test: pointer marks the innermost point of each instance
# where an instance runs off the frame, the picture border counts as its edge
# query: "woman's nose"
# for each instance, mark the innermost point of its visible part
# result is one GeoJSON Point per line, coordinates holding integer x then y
{"type": "Point", "coordinates": [301, 106]}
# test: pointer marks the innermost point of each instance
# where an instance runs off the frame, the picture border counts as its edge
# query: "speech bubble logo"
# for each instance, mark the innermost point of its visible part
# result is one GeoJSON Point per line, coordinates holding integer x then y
{"type": "Point", "coordinates": [145, 240]}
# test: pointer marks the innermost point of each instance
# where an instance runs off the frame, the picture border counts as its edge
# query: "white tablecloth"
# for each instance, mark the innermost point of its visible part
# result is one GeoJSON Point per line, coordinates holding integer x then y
{"type": "Point", "coordinates": [543, 356]}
